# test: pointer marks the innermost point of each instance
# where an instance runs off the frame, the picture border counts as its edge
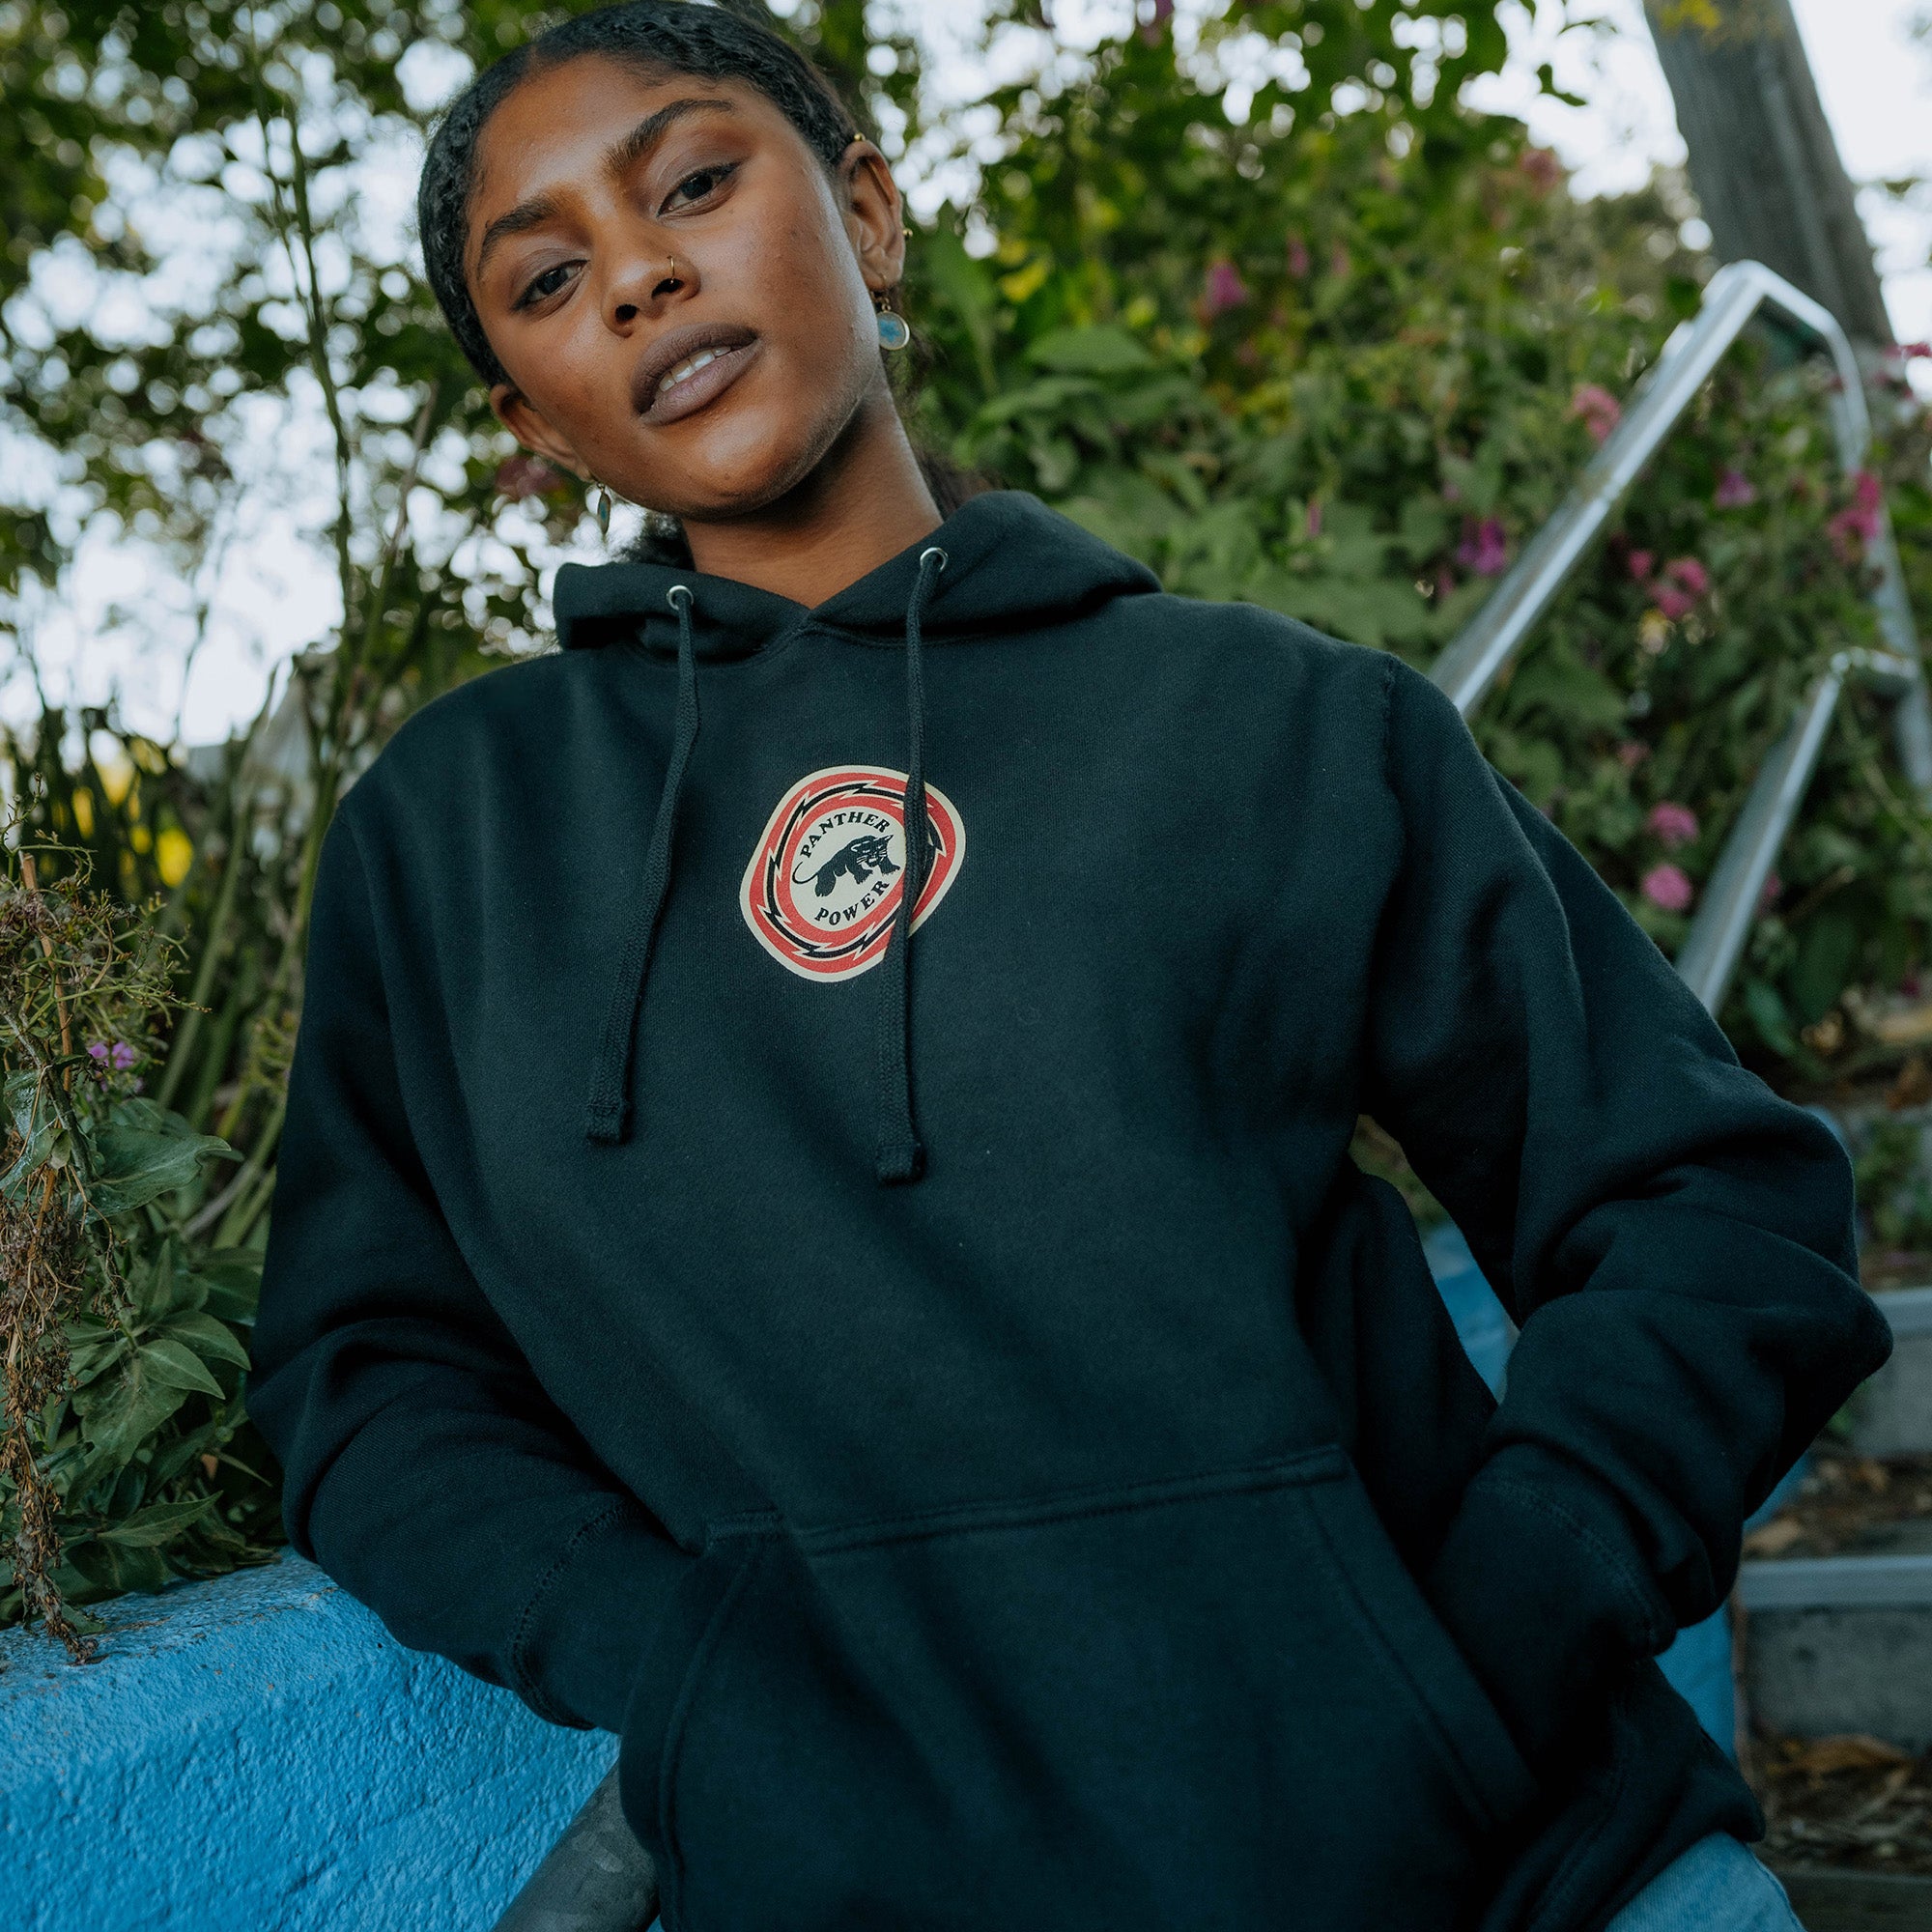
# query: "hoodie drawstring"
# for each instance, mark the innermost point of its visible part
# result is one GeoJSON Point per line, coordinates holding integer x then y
{"type": "Point", "coordinates": [900, 1155]}
{"type": "Point", "coordinates": [610, 1089]}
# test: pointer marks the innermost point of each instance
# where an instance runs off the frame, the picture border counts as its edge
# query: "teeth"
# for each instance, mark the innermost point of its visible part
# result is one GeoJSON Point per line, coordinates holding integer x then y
{"type": "Point", "coordinates": [688, 367]}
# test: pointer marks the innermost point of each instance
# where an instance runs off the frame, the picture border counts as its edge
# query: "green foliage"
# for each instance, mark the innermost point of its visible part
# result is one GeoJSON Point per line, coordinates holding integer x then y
{"type": "Point", "coordinates": [123, 1335]}
{"type": "Point", "coordinates": [1344, 365]}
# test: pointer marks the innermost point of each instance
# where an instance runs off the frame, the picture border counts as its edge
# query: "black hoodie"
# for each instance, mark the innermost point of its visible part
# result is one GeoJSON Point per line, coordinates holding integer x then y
{"type": "Point", "coordinates": [994, 1458]}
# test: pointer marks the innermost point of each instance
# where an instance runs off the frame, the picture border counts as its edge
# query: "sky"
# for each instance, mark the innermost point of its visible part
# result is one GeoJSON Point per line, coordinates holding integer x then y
{"type": "Point", "coordinates": [275, 592]}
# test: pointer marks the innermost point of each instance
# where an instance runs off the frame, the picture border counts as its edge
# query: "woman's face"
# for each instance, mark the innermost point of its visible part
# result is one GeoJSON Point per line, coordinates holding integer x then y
{"type": "Point", "coordinates": [591, 177]}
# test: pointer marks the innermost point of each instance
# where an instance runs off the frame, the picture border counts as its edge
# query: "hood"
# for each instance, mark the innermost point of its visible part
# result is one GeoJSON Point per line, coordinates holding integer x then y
{"type": "Point", "coordinates": [1000, 562]}
{"type": "Point", "coordinates": [1012, 564]}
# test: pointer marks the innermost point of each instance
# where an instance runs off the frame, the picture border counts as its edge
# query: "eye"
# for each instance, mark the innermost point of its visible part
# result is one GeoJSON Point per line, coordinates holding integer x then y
{"type": "Point", "coordinates": [545, 285]}
{"type": "Point", "coordinates": [701, 185]}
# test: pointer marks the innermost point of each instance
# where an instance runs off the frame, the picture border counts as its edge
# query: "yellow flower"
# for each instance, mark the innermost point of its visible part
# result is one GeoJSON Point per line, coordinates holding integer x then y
{"type": "Point", "coordinates": [174, 853]}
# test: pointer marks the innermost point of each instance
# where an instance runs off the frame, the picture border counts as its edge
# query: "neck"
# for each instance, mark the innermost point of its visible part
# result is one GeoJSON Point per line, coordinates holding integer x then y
{"type": "Point", "coordinates": [863, 504]}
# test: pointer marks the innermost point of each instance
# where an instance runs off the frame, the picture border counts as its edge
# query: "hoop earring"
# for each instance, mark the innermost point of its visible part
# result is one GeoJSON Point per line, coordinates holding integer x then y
{"type": "Point", "coordinates": [894, 331]}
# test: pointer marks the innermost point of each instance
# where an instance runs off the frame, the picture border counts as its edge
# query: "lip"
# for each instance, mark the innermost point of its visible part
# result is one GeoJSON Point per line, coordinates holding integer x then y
{"type": "Point", "coordinates": [737, 346]}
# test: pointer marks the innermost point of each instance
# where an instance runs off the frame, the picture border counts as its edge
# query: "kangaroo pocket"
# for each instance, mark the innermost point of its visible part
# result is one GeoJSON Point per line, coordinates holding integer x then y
{"type": "Point", "coordinates": [1215, 1702]}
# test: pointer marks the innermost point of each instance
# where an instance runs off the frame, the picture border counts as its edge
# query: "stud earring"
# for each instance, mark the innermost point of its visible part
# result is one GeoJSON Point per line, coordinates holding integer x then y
{"type": "Point", "coordinates": [894, 331]}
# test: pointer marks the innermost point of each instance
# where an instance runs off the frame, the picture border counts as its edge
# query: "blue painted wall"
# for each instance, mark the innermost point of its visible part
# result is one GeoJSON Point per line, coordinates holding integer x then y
{"type": "Point", "coordinates": [258, 1754]}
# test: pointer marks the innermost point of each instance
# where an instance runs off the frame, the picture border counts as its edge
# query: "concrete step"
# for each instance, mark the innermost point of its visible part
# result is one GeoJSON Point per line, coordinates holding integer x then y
{"type": "Point", "coordinates": [1841, 1643]}
{"type": "Point", "coordinates": [1891, 1414]}
{"type": "Point", "coordinates": [1856, 1901]}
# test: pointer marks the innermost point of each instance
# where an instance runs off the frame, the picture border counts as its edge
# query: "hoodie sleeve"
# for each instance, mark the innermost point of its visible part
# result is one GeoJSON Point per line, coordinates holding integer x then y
{"type": "Point", "coordinates": [424, 1466]}
{"type": "Point", "coordinates": [1675, 1242]}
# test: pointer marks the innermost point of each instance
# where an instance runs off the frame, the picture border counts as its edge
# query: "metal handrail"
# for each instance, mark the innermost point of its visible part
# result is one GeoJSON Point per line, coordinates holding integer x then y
{"type": "Point", "coordinates": [1468, 669]}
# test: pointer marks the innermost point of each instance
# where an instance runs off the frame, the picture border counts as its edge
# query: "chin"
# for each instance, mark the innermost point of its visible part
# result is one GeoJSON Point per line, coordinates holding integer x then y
{"type": "Point", "coordinates": [746, 473]}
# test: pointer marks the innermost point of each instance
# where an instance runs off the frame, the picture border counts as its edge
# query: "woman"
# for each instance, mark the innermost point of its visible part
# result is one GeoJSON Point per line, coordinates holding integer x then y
{"type": "Point", "coordinates": [816, 1228]}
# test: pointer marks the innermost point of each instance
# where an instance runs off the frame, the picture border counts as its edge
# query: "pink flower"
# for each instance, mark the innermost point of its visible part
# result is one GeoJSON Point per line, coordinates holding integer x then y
{"type": "Point", "coordinates": [1225, 290]}
{"type": "Point", "coordinates": [525, 476]}
{"type": "Point", "coordinates": [1339, 265]}
{"type": "Point", "coordinates": [1484, 549]}
{"type": "Point", "coordinates": [1542, 169]}
{"type": "Point", "coordinates": [1853, 529]}
{"type": "Point", "coordinates": [1599, 410]}
{"type": "Point", "coordinates": [1297, 256]}
{"type": "Point", "coordinates": [1314, 518]}
{"type": "Point", "coordinates": [1632, 753]}
{"type": "Point", "coordinates": [1913, 351]}
{"type": "Point", "coordinates": [1640, 562]}
{"type": "Point", "coordinates": [1687, 574]}
{"type": "Point", "coordinates": [1163, 12]}
{"type": "Point", "coordinates": [1734, 491]}
{"type": "Point", "coordinates": [1672, 825]}
{"type": "Point", "coordinates": [1768, 896]}
{"type": "Point", "coordinates": [1667, 888]}
{"type": "Point", "coordinates": [1675, 604]}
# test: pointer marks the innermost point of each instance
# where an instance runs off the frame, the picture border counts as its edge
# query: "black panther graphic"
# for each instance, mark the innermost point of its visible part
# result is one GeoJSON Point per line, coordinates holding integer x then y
{"type": "Point", "coordinates": [859, 859]}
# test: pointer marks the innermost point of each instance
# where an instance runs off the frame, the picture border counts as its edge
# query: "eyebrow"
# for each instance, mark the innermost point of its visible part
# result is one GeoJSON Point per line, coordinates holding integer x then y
{"type": "Point", "coordinates": [620, 158]}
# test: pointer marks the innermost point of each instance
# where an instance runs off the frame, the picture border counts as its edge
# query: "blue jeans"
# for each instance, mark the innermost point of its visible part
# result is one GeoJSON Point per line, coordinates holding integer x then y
{"type": "Point", "coordinates": [1716, 1886]}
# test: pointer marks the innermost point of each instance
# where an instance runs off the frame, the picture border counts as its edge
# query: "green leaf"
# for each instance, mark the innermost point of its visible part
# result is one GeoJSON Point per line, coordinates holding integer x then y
{"type": "Point", "coordinates": [1766, 1006]}
{"type": "Point", "coordinates": [144, 1151]}
{"type": "Point", "coordinates": [172, 1365]}
{"type": "Point", "coordinates": [157, 1525]}
{"type": "Point", "coordinates": [1825, 955]}
{"type": "Point", "coordinates": [233, 1280]}
{"type": "Point", "coordinates": [121, 1410]}
{"type": "Point", "coordinates": [207, 1337]}
{"type": "Point", "coordinates": [1102, 350]}
{"type": "Point", "coordinates": [30, 1108]}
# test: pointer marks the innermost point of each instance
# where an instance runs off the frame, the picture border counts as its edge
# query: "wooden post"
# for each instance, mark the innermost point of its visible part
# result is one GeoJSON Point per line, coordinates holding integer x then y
{"type": "Point", "coordinates": [1763, 162]}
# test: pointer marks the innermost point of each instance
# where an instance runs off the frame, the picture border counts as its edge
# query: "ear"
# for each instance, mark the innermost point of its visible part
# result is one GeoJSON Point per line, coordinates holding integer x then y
{"type": "Point", "coordinates": [533, 429]}
{"type": "Point", "coordinates": [869, 202]}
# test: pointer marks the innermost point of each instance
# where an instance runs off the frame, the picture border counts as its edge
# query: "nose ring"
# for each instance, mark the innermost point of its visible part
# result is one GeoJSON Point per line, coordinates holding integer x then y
{"type": "Point", "coordinates": [670, 268]}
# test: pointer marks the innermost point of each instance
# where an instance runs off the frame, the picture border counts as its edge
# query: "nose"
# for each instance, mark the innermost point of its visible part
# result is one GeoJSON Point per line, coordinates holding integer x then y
{"type": "Point", "coordinates": [649, 277]}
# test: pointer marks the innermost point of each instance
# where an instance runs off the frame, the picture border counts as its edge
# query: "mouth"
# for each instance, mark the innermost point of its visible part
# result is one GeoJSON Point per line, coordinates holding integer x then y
{"type": "Point", "coordinates": [690, 367]}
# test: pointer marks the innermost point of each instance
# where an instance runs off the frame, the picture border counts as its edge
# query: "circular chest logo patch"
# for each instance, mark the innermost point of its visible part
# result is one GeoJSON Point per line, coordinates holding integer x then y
{"type": "Point", "coordinates": [827, 877]}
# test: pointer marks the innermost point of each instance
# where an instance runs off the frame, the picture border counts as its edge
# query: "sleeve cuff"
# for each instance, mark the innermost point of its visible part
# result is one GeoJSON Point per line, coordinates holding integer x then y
{"type": "Point", "coordinates": [587, 1625]}
{"type": "Point", "coordinates": [1542, 1584]}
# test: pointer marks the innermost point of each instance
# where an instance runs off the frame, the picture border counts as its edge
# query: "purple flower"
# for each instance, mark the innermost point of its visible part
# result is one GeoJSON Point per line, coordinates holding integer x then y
{"type": "Point", "coordinates": [1225, 290]}
{"type": "Point", "coordinates": [1734, 491]}
{"type": "Point", "coordinates": [1598, 411]}
{"type": "Point", "coordinates": [1672, 825]}
{"type": "Point", "coordinates": [97, 1049]}
{"type": "Point", "coordinates": [122, 1056]}
{"type": "Point", "coordinates": [1484, 549]}
{"type": "Point", "coordinates": [1667, 888]}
